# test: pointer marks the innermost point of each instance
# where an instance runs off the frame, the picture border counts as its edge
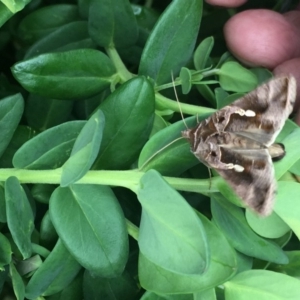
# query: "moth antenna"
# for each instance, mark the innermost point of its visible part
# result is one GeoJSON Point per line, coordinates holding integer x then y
{"type": "Point", "coordinates": [175, 92]}
{"type": "Point", "coordinates": [160, 150]}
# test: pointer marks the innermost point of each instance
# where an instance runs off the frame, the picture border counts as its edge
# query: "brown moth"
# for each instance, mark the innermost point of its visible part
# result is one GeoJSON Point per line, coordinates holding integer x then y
{"type": "Point", "coordinates": [237, 141]}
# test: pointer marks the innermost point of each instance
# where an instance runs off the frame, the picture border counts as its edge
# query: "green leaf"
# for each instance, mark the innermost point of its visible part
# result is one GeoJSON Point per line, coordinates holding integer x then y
{"type": "Point", "coordinates": [42, 192]}
{"type": "Point", "coordinates": [185, 77]}
{"type": "Point", "coordinates": [170, 225]}
{"type": "Point", "coordinates": [73, 291]}
{"type": "Point", "coordinates": [271, 227]}
{"type": "Point", "coordinates": [48, 235]}
{"type": "Point", "coordinates": [262, 285]}
{"type": "Point", "coordinates": [2, 205]}
{"type": "Point", "coordinates": [206, 93]}
{"type": "Point", "coordinates": [3, 277]}
{"type": "Point", "coordinates": [288, 128]}
{"type": "Point", "coordinates": [21, 135]}
{"type": "Point", "coordinates": [112, 23]}
{"type": "Point", "coordinates": [85, 150]}
{"type": "Point", "coordinates": [292, 145]}
{"type": "Point", "coordinates": [50, 149]}
{"type": "Point", "coordinates": [69, 75]}
{"type": "Point", "coordinates": [120, 287]}
{"type": "Point", "coordinates": [91, 215]}
{"type": "Point", "coordinates": [42, 113]}
{"type": "Point", "coordinates": [166, 53]}
{"type": "Point", "coordinates": [15, 5]}
{"type": "Point", "coordinates": [55, 273]}
{"type": "Point", "coordinates": [235, 78]}
{"type": "Point", "coordinates": [5, 14]}
{"type": "Point", "coordinates": [286, 205]}
{"type": "Point", "coordinates": [222, 266]}
{"type": "Point", "coordinates": [293, 267]}
{"type": "Point", "coordinates": [19, 216]}
{"type": "Point", "coordinates": [204, 295]}
{"type": "Point", "coordinates": [229, 99]}
{"type": "Point", "coordinates": [202, 53]}
{"type": "Point", "coordinates": [67, 37]}
{"type": "Point", "coordinates": [11, 110]}
{"type": "Point", "coordinates": [129, 115]}
{"type": "Point", "coordinates": [46, 20]}
{"type": "Point", "coordinates": [231, 221]}
{"type": "Point", "coordinates": [17, 282]}
{"type": "Point", "coordinates": [5, 252]}
{"type": "Point", "coordinates": [166, 156]}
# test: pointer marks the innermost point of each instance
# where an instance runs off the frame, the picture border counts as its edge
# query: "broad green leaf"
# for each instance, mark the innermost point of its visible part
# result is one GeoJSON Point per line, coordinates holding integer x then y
{"type": "Point", "coordinates": [17, 282]}
{"type": "Point", "coordinates": [271, 227]}
{"type": "Point", "coordinates": [2, 205]}
{"type": "Point", "coordinates": [170, 225]}
{"type": "Point", "coordinates": [120, 287]}
{"type": "Point", "coordinates": [235, 78]}
{"type": "Point", "coordinates": [292, 145]}
{"type": "Point", "coordinates": [19, 216]}
{"type": "Point", "coordinates": [69, 36]}
{"type": "Point", "coordinates": [45, 20]}
{"type": "Point", "coordinates": [286, 205]}
{"type": "Point", "coordinates": [42, 113]}
{"type": "Point", "coordinates": [15, 5]}
{"type": "Point", "coordinates": [166, 53]}
{"type": "Point", "coordinates": [288, 128]}
{"type": "Point", "coordinates": [262, 74]}
{"type": "Point", "coordinates": [5, 252]}
{"type": "Point", "coordinates": [229, 99]}
{"type": "Point", "coordinates": [11, 110]}
{"type": "Point", "coordinates": [48, 235]}
{"type": "Point", "coordinates": [129, 115]}
{"type": "Point", "coordinates": [69, 75]}
{"type": "Point", "coordinates": [293, 267]}
{"type": "Point", "coordinates": [42, 192]}
{"type": "Point", "coordinates": [91, 215]}
{"type": "Point", "coordinates": [202, 53]}
{"type": "Point", "coordinates": [5, 14]}
{"type": "Point", "coordinates": [244, 262]}
{"type": "Point", "coordinates": [50, 149]}
{"type": "Point", "coordinates": [204, 295]}
{"type": "Point", "coordinates": [166, 156]}
{"type": "Point", "coordinates": [85, 150]}
{"type": "Point", "coordinates": [262, 285]}
{"type": "Point", "coordinates": [112, 23]}
{"type": "Point", "coordinates": [3, 277]}
{"type": "Point", "coordinates": [222, 267]}
{"type": "Point", "coordinates": [206, 93]}
{"type": "Point", "coordinates": [73, 291]}
{"type": "Point", "coordinates": [232, 222]}
{"type": "Point", "coordinates": [220, 95]}
{"type": "Point", "coordinates": [21, 135]}
{"type": "Point", "coordinates": [55, 273]}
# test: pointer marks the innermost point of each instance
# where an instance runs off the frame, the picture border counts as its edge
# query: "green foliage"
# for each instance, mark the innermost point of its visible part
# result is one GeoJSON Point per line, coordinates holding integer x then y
{"type": "Point", "coordinates": [90, 132]}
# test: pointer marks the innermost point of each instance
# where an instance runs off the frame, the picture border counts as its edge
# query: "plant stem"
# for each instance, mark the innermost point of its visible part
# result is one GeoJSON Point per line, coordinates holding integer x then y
{"type": "Point", "coordinates": [132, 230]}
{"type": "Point", "coordinates": [117, 61]}
{"type": "Point", "coordinates": [163, 102]}
{"type": "Point", "coordinates": [128, 179]}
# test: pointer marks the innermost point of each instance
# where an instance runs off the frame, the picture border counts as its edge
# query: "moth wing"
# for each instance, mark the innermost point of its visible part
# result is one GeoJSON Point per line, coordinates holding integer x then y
{"type": "Point", "coordinates": [271, 104]}
{"type": "Point", "coordinates": [255, 185]}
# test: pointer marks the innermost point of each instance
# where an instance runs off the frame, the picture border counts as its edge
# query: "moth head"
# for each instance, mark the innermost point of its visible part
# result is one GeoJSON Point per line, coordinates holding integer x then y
{"type": "Point", "coordinates": [189, 135]}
